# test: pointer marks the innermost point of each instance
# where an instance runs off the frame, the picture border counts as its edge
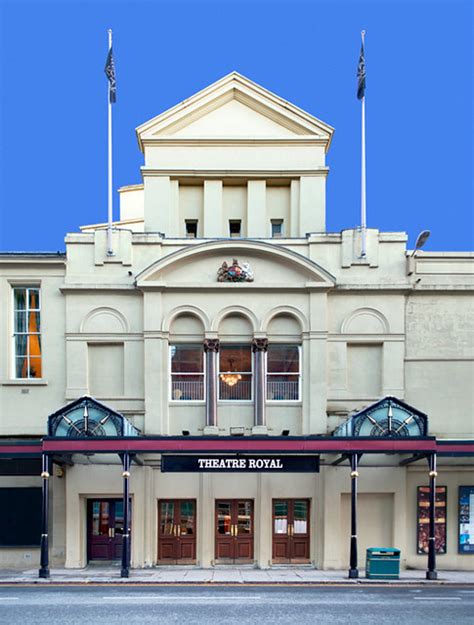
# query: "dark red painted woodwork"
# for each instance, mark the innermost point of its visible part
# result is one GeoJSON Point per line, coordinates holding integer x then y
{"type": "Point", "coordinates": [234, 530]}
{"type": "Point", "coordinates": [104, 535]}
{"type": "Point", "coordinates": [251, 445]}
{"type": "Point", "coordinates": [177, 531]}
{"type": "Point", "coordinates": [248, 445]}
{"type": "Point", "coordinates": [290, 545]}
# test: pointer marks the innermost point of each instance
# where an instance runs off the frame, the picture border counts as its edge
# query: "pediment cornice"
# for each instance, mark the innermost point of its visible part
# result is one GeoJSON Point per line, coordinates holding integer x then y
{"type": "Point", "coordinates": [234, 86]}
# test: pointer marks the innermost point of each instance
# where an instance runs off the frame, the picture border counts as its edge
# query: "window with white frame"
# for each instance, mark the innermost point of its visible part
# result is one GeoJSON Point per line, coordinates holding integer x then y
{"type": "Point", "coordinates": [187, 372]}
{"type": "Point", "coordinates": [27, 332]}
{"type": "Point", "coordinates": [235, 372]}
{"type": "Point", "coordinates": [283, 372]}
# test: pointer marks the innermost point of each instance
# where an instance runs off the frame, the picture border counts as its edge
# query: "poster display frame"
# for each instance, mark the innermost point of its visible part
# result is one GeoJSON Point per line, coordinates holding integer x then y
{"type": "Point", "coordinates": [464, 514]}
{"type": "Point", "coordinates": [422, 520]}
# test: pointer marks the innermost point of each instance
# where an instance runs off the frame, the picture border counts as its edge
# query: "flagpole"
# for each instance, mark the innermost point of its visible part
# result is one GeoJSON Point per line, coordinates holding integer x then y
{"type": "Point", "coordinates": [363, 207]}
{"type": "Point", "coordinates": [110, 251]}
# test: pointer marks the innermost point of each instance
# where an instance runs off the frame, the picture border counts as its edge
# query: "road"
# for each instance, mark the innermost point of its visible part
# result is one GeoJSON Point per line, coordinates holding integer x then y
{"type": "Point", "coordinates": [230, 605]}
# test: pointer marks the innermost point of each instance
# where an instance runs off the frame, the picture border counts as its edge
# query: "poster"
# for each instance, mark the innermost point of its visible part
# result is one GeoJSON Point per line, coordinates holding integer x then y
{"type": "Point", "coordinates": [466, 519]}
{"type": "Point", "coordinates": [424, 519]}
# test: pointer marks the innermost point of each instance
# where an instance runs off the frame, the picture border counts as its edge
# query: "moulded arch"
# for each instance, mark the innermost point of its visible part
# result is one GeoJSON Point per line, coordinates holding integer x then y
{"type": "Point", "coordinates": [234, 310]}
{"type": "Point", "coordinates": [374, 323]}
{"type": "Point", "coordinates": [291, 311]}
{"type": "Point", "coordinates": [105, 320]}
{"type": "Point", "coordinates": [185, 310]}
{"type": "Point", "coordinates": [308, 269]}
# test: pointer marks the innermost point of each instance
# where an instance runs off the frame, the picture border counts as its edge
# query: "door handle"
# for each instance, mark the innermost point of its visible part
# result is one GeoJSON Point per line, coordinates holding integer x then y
{"type": "Point", "coordinates": [112, 532]}
{"type": "Point", "coordinates": [174, 529]}
{"type": "Point", "coordinates": [290, 530]}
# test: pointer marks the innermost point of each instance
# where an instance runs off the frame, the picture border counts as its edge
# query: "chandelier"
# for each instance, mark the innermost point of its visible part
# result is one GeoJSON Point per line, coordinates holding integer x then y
{"type": "Point", "coordinates": [230, 377]}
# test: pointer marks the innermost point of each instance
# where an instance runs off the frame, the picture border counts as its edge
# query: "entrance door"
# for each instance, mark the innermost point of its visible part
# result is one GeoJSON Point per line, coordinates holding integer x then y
{"type": "Point", "coordinates": [291, 531]}
{"type": "Point", "coordinates": [234, 530]}
{"type": "Point", "coordinates": [177, 531]}
{"type": "Point", "coordinates": [105, 529]}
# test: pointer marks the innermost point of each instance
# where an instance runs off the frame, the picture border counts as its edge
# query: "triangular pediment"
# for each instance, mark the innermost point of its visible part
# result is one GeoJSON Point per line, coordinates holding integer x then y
{"type": "Point", "coordinates": [234, 108]}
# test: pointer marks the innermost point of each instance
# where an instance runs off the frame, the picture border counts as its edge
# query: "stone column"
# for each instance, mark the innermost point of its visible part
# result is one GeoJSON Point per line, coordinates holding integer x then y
{"type": "Point", "coordinates": [259, 348]}
{"type": "Point", "coordinates": [211, 347]}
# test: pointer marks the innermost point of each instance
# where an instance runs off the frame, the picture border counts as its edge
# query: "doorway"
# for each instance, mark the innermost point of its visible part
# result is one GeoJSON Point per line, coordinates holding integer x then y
{"type": "Point", "coordinates": [177, 531]}
{"type": "Point", "coordinates": [291, 531]}
{"type": "Point", "coordinates": [105, 529]}
{"type": "Point", "coordinates": [234, 531]}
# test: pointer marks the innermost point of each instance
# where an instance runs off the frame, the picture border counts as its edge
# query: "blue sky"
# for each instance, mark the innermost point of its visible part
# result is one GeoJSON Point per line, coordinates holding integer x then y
{"type": "Point", "coordinates": [53, 116]}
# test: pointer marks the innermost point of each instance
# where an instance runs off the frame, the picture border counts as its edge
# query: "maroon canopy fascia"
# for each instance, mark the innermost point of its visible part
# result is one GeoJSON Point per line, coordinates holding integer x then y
{"type": "Point", "coordinates": [224, 444]}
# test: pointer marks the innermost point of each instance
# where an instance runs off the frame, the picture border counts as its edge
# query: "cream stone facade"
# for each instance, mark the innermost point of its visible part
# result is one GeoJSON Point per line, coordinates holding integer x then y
{"type": "Point", "coordinates": [236, 172]}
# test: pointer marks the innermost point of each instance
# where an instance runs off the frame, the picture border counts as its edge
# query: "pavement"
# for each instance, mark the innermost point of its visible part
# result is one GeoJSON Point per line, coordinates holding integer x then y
{"type": "Point", "coordinates": [225, 575]}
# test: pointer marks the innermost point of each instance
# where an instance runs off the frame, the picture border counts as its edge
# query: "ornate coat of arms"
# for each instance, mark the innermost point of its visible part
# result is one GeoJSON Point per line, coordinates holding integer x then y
{"type": "Point", "coordinates": [235, 272]}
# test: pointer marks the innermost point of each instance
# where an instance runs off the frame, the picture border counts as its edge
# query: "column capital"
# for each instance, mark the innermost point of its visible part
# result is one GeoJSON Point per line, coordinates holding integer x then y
{"type": "Point", "coordinates": [259, 345]}
{"type": "Point", "coordinates": [211, 345]}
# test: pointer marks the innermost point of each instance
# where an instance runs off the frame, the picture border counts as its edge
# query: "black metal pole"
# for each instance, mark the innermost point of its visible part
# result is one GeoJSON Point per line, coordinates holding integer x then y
{"type": "Point", "coordinates": [353, 570]}
{"type": "Point", "coordinates": [125, 572]}
{"type": "Point", "coordinates": [44, 543]}
{"type": "Point", "coordinates": [431, 573]}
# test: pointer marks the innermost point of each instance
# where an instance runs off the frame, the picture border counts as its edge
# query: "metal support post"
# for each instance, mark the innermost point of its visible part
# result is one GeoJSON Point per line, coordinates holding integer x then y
{"type": "Point", "coordinates": [353, 570]}
{"type": "Point", "coordinates": [44, 543]}
{"type": "Point", "coordinates": [125, 572]}
{"type": "Point", "coordinates": [431, 573]}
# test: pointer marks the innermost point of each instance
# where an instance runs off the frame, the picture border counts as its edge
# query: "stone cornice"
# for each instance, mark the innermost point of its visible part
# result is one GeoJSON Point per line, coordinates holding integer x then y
{"type": "Point", "coordinates": [230, 141]}
{"type": "Point", "coordinates": [206, 174]}
{"type": "Point", "coordinates": [96, 288]}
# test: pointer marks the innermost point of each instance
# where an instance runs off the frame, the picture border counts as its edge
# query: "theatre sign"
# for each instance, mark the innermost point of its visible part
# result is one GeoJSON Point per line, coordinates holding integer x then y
{"type": "Point", "coordinates": [240, 463]}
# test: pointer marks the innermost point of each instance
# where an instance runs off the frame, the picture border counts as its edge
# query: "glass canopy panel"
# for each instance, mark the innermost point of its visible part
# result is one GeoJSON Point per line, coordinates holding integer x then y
{"type": "Point", "coordinates": [388, 417]}
{"type": "Point", "coordinates": [87, 418]}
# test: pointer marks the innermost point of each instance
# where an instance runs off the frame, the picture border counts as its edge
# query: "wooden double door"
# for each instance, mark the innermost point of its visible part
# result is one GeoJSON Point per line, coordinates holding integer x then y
{"type": "Point", "coordinates": [105, 529]}
{"type": "Point", "coordinates": [234, 530]}
{"type": "Point", "coordinates": [291, 531]}
{"type": "Point", "coordinates": [177, 531]}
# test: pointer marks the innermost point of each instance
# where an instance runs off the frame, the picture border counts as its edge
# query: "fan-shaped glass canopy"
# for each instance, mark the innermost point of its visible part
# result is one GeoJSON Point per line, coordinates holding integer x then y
{"type": "Point", "coordinates": [85, 418]}
{"type": "Point", "coordinates": [389, 417]}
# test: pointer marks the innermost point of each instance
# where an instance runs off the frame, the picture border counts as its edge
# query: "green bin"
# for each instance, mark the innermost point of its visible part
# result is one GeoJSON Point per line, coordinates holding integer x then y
{"type": "Point", "coordinates": [382, 563]}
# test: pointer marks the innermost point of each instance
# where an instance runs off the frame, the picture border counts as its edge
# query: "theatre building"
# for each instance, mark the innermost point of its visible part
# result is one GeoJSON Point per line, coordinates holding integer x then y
{"type": "Point", "coordinates": [233, 384]}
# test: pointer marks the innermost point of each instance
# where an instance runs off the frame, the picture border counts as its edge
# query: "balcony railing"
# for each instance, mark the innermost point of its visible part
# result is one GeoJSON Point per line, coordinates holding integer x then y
{"type": "Point", "coordinates": [242, 391]}
{"type": "Point", "coordinates": [187, 390]}
{"type": "Point", "coordinates": [278, 390]}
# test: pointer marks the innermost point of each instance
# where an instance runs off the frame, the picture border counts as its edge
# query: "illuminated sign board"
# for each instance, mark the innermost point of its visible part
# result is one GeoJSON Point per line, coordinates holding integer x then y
{"type": "Point", "coordinates": [239, 463]}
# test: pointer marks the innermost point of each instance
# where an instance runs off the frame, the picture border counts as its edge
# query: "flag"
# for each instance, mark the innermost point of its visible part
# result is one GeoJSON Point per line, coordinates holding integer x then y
{"type": "Point", "coordinates": [110, 73]}
{"type": "Point", "coordinates": [361, 74]}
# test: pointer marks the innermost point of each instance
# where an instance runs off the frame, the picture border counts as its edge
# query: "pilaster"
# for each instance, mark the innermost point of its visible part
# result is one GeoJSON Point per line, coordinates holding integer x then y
{"type": "Point", "coordinates": [213, 211]}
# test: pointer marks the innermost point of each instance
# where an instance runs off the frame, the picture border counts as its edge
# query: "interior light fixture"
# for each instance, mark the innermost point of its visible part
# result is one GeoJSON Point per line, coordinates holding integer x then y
{"type": "Point", "coordinates": [230, 377]}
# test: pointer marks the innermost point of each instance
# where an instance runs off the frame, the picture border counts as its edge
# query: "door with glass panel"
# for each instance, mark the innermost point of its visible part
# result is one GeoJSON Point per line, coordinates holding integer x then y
{"type": "Point", "coordinates": [234, 530]}
{"type": "Point", "coordinates": [291, 531]}
{"type": "Point", "coordinates": [105, 529]}
{"type": "Point", "coordinates": [177, 531]}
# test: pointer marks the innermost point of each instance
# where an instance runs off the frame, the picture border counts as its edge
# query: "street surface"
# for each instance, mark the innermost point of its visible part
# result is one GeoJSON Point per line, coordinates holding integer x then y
{"type": "Point", "coordinates": [230, 605]}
